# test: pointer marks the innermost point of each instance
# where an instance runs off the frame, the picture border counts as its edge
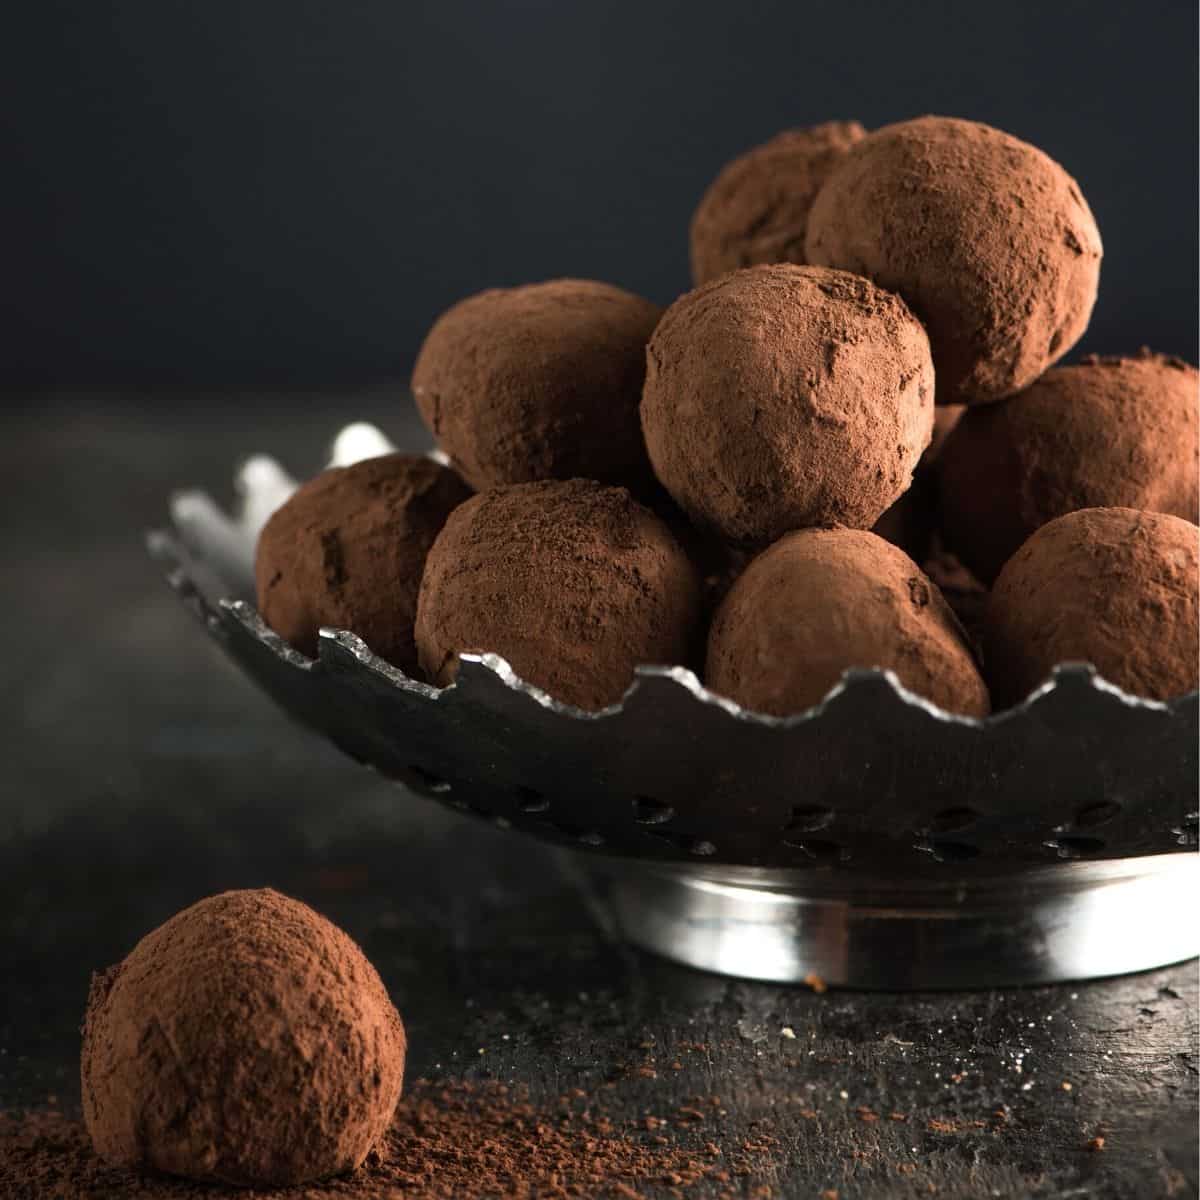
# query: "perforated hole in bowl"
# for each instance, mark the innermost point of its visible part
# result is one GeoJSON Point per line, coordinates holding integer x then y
{"type": "Point", "coordinates": [530, 800]}
{"type": "Point", "coordinates": [949, 852]}
{"type": "Point", "coordinates": [1188, 834]}
{"type": "Point", "coordinates": [648, 811]}
{"type": "Point", "coordinates": [816, 849]}
{"type": "Point", "coordinates": [1097, 814]}
{"type": "Point", "coordinates": [1075, 846]}
{"type": "Point", "coordinates": [809, 818]}
{"type": "Point", "coordinates": [686, 842]}
{"type": "Point", "coordinates": [953, 820]}
{"type": "Point", "coordinates": [576, 833]}
{"type": "Point", "coordinates": [428, 780]}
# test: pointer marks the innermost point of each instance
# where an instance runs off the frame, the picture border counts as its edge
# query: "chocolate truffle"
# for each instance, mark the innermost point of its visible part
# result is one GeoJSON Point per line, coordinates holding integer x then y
{"type": "Point", "coordinates": [909, 523]}
{"type": "Point", "coordinates": [347, 550]}
{"type": "Point", "coordinates": [962, 590]}
{"type": "Point", "coordinates": [539, 382]}
{"type": "Point", "coordinates": [1115, 587]}
{"type": "Point", "coordinates": [1108, 433]}
{"type": "Point", "coordinates": [573, 583]}
{"type": "Point", "coordinates": [988, 239]}
{"type": "Point", "coordinates": [820, 601]}
{"type": "Point", "coordinates": [756, 210]}
{"type": "Point", "coordinates": [246, 1041]}
{"type": "Point", "coordinates": [945, 418]}
{"type": "Point", "coordinates": [784, 396]}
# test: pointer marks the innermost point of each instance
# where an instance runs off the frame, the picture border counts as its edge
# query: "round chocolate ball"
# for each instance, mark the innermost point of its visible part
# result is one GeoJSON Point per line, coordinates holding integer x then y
{"type": "Point", "coordinates": [945, 418]}
{"type": "Point", "coordinates": [820, 601]}
{"type": "Point", "coordinates": [909, 523]}
{"type": "Point", "coordinates": [247, 1041]}
{"type": "Point", "coordinates": [1108, 433]}
{"type": "Point", "coordinates": [572, 582]}
{"type": "Point", "coordinates": [961, 589]}
{"type": "Point", "coordinates": [539, 382]}
{"type": "Point", "coordinates": [784, 396]}
{"type": "Point", "coordinates": [1115, 587]}
{"type": "Point", "coordinates": [756, 210]}
{"type": "Point", "coordinates": [347, 551]}
{"type": "Point", "coordinates": [988, 239]}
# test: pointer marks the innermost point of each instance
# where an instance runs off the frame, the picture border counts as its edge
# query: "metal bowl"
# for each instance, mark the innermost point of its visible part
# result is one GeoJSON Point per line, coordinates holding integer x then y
{"type": "Point", "coordinates": [873, 840]}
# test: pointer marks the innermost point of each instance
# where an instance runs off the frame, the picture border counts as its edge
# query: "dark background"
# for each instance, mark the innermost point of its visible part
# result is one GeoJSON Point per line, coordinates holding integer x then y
{"type": "Point", "coordinates": [287, 192]}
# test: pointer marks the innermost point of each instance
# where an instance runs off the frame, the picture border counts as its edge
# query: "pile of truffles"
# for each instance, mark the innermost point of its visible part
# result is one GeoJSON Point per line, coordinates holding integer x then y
{"type": "Point", "coordinates": [749, 483]}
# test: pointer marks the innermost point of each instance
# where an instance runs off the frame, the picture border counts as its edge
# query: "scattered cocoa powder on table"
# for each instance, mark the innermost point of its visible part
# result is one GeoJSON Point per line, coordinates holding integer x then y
{"type": "Point", "coordinates": [457, 1139]}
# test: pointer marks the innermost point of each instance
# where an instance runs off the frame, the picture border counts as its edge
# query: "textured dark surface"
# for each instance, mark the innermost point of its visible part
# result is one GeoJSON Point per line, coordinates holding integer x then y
{"type": "Point", "coordinates": [143, 772]}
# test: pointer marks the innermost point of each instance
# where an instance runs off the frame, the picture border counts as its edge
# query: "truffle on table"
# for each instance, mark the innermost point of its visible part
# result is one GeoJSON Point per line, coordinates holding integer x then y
{"type": "Point", "coordinates": [1107, 433]}
{"type": "Point", "coordinates": [821, 601]}
{"type": "Point", "coordinates": [1115, 587]}
{"type": "Point", "coordinates": [246, 1041]}
{"type": "Point", "coordinates": [572, 582]}
{"type": "Point", "coordinates": [785, 396]}
{"type": "Point", "coordinates": [756, 210]}
{"type": "Point", "coordinates": [539, 382]}
{"type": "Point", "coordinates": [347, 550]}
{"type": "Point", "coordinates": [988, 239]}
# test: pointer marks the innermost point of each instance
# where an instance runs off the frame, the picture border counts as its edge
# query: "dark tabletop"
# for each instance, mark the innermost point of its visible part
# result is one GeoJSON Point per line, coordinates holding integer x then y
{"type": "Point", "coordinates": [142, 773]}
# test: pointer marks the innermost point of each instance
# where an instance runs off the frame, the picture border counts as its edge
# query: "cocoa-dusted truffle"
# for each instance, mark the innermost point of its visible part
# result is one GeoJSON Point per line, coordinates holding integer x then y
{"type": "Point", "coordinates": [945, 418]}
{"type": "Point", "coordinates": [347, 551]}
{"type": "Point", "coordinates": [1115, 587]}
{"type": "Point", "coordinates": [1108, 433]}
{"type": "Point", "coordinates": [909, 523]}
{"type": "Point", "coordinates": [988, 239]}
{"type": "Point", "coordinates": [784, 396]}
{"type": "Point", "coordinates": [962, 590]}
{"type": "Point", "coordinates": [820, 601]}
{"type": "Point", "coordinates": [573, 583]}
{"type": "Point", "coordinates": [539, 382]}
{"type": "Point", "coordinates": [756, 210]}
{"type": "Point", "coordinates": [246, 1041]}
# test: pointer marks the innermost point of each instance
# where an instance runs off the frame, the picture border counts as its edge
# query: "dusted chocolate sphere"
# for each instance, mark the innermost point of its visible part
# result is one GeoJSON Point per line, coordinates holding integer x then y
{"type": "Point", "coordinates": [988, 239]}
{"type": "Point", "coordinates": [784, 396]}
{"type": "Point", "coordinates": [945, 418]}
{"type": "Point", "coordinates": [961, 589]}
{"type": "Point", "coordinates": [1111, 586]}
{"type": "Point", "coordinates": [573, 583]}
{"type": "Point", "coordinates": [756, 210]}
{"type": "Point", "coordinates": [909, 523]}
{"type": "Point", "coordinates": [820, 601]}
{"type": "Point", "coordinates": [1108, 433]}
{"type": "Point", "coordinates": [539, 382]}
{"type": "Point", "coordinates": [246, 1041]}
{"type": "Point", "coordinates": [347, 550]}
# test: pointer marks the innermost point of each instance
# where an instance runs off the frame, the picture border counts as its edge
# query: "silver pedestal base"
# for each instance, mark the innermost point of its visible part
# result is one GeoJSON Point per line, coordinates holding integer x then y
{"type": "Point", "coordinates": [1067, 921]}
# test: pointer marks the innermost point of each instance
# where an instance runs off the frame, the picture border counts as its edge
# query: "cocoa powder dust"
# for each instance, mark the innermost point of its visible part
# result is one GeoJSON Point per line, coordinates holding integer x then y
{"type": "Point", "coordinates": [460, 1139]}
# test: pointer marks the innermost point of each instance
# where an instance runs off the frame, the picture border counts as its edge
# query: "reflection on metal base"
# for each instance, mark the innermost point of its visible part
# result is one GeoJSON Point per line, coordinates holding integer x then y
{"type": "Point", "coordinates": [1072, 921]}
